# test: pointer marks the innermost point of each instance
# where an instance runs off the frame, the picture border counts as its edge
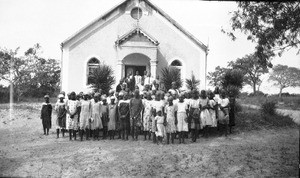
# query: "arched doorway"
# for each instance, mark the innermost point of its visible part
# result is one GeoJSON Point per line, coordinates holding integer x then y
{"type": "Point", "coordinates": [136, 62]}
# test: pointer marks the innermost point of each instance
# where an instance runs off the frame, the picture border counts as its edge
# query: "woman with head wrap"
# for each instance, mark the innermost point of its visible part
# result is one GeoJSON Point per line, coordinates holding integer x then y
{"type": "Point", "coordinates": [46, 112]}
{"type": "Point", "coordinates": [60, 108]}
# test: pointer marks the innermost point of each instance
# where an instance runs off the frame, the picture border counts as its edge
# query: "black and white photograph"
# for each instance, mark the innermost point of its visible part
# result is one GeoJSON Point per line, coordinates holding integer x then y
{"type": "Point", "coordinates": [149, 88]}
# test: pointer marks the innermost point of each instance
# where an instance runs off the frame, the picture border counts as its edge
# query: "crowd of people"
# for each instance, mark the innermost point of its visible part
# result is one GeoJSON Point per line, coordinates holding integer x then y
{"type": "Point", "coordinates": [129, 111]}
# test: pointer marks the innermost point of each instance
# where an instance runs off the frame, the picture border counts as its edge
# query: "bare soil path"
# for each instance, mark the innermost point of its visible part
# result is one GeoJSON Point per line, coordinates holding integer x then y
{"type": "Point", "coordinates": [24, 151]}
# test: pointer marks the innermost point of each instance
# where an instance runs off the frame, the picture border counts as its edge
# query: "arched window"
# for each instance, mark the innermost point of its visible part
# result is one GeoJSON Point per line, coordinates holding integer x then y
{"type": "Point", "coordinates": [177, 64]}
{"type": "Point", "coordinates": [92, 64]}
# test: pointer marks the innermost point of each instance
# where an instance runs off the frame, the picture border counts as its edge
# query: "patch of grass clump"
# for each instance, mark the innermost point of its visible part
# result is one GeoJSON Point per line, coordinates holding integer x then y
{"type": "Point", "coordinates": [253, 119]}
{"type": "Point", "coordinates": [269, 108]}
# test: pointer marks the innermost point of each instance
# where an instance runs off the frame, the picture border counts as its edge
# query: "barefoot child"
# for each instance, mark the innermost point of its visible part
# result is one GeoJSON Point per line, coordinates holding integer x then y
{"type": "Point", "coordinates": [147, 115]}
{"type": "Point", "coordinates": [123, 111]}
{"type": "Point", "coordinates": [104, 118]}
{"type": "Point", "coordinates": [212, 108]}
{"type": "Point", "coordinates": [153, 125]}
{"type": "Point", "coordinates": [112, 113]}
{"type": "Point", "coordinates": [171, 120]}
{"type": "Point", "coordinates": [182, 111]}
{"type": "Point", "coordinates": [46, 115]}
{"type": "Point", "coordinates": [157, 105]}
{"type": "Point", "coordinates": [223, 110]}
{"type": "Point", "coordinates": [96, 116]}
{"type": "Point", "coordinates": [60, 108]}
{"type": "Point", "coordinates": [204, 114]}
{"type": "Point", "coordinates": [85, 116]}
{"type": "Point", "coordinates": [73, 110]}
{"type": "Point", "coordinates": [159, 122]}
{"type": "Point", "coordinates": [194, 114]}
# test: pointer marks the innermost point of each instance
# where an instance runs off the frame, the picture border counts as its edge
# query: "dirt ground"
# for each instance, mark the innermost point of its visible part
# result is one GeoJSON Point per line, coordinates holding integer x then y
{"type": "Point", "coordinates": [25, 151]}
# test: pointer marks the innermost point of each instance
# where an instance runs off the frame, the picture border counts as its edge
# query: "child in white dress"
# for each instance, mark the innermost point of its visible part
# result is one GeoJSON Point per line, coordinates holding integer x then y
{"type": "Point", "coordinates": [204, 115]}
{"type": "Point", "coordinates": [147, 115]}
{"type": "Point", "coordinates": [96, 116]}
{"type": "Point", "coordinates": [159, 122]}
{"type": "Point", "coordinates": [182, 111]}
{"type": "Point", "coordinates": [171, 120]}
{"type": "Point", "coordinates": [85, 115]}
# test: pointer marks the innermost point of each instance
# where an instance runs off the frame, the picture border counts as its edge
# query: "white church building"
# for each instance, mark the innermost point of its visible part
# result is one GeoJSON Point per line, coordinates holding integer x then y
{"type": "Point", "coordinates": [135, 35]}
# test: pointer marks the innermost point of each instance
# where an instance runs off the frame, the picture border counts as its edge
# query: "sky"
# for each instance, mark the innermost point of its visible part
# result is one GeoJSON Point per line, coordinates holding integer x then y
{"type": "Point", "coordinates": [24, 23]}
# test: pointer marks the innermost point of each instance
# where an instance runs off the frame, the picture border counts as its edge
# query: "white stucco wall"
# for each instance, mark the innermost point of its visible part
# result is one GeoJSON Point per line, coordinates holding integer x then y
{"type": "Point", "coordinates": [99, 41]}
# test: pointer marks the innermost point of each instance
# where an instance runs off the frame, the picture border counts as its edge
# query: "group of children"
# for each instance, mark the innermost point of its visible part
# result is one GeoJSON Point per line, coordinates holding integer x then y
{"type": "Point", "coordinates": [155, 114]}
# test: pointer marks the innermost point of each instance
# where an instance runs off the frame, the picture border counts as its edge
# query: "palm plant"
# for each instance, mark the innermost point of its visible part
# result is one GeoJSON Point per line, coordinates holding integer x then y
{"type": "Point", "coordinates": [169, 75]}
{"type": "Point", "coordinates": [192, 83]}
{"type": "Point", "coordinates": [102, 78]}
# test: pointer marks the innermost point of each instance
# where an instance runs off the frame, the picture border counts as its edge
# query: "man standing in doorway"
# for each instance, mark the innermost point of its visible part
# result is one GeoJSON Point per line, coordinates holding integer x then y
{"type": "Point", "coordinates": [144, 77]}
{"type": "Point", "coordinates": [138, 79]}
{"type": "Point", "coordinates": [130, 81]}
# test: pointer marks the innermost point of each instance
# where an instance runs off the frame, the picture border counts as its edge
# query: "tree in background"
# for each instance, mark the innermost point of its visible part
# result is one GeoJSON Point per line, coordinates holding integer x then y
{"type": "Point", "coordinates": [274, 26]}
{"type": "Point", "coordinates": [169, 75]}
{"type": "Point", "coordinates": [15, 71]}
{"type": "Point", "coordinates": [251, 69]}
{"type": "Point", "coordinates": [232, 82]}
{"type": "Point", "coordinates": [45, 72]}
{"type": "Point", "coordinates": [285, 76]}
{"type": "Point", "coordinates": [216, 77]}
{"type": "Point", "coordinates": [31, 75]}
{"type": "Point", "coordinates": [192, 83]}
{"type": "Point", "coordinates": [102, 78]}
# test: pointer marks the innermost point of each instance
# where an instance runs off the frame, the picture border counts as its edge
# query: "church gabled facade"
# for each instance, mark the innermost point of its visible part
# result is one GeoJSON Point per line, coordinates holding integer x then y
{"type": "Point", "coordinates": [135, 35]}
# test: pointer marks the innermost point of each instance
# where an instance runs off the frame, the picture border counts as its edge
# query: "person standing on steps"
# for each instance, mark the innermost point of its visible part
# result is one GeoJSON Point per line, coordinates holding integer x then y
{"type": "Point", "coordinates": [138, 79]}
{"type": "Point", "coordinates": [130, 81]}
{"type": "Point", "coordinates": [46, 115]}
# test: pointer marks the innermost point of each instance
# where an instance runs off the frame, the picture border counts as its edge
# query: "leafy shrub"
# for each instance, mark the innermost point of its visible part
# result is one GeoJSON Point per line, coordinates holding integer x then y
{"type": "Point", "coordinates": [192, 83]}
{"type": "Point", "coordinates": [243, 94]}
{"type": "Point", "coordinates": [285, 94]}
{"type": "Point", "coordinates": [232, 91]}
{"type": "Point", "coordinates": [102, 78]}
{"type": "Point", "coordinates": [4, 94]}
{"type": "Point", "coordinates": [169, 75]}
{"type": "Point", "coordinates": [238, 107]}
{"type": "Point", "coordinates": [268, 108]}
{"type": "Point", "coordinates": [233, 77]}
{"type": "Point", "coordinates": [257, 93]}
